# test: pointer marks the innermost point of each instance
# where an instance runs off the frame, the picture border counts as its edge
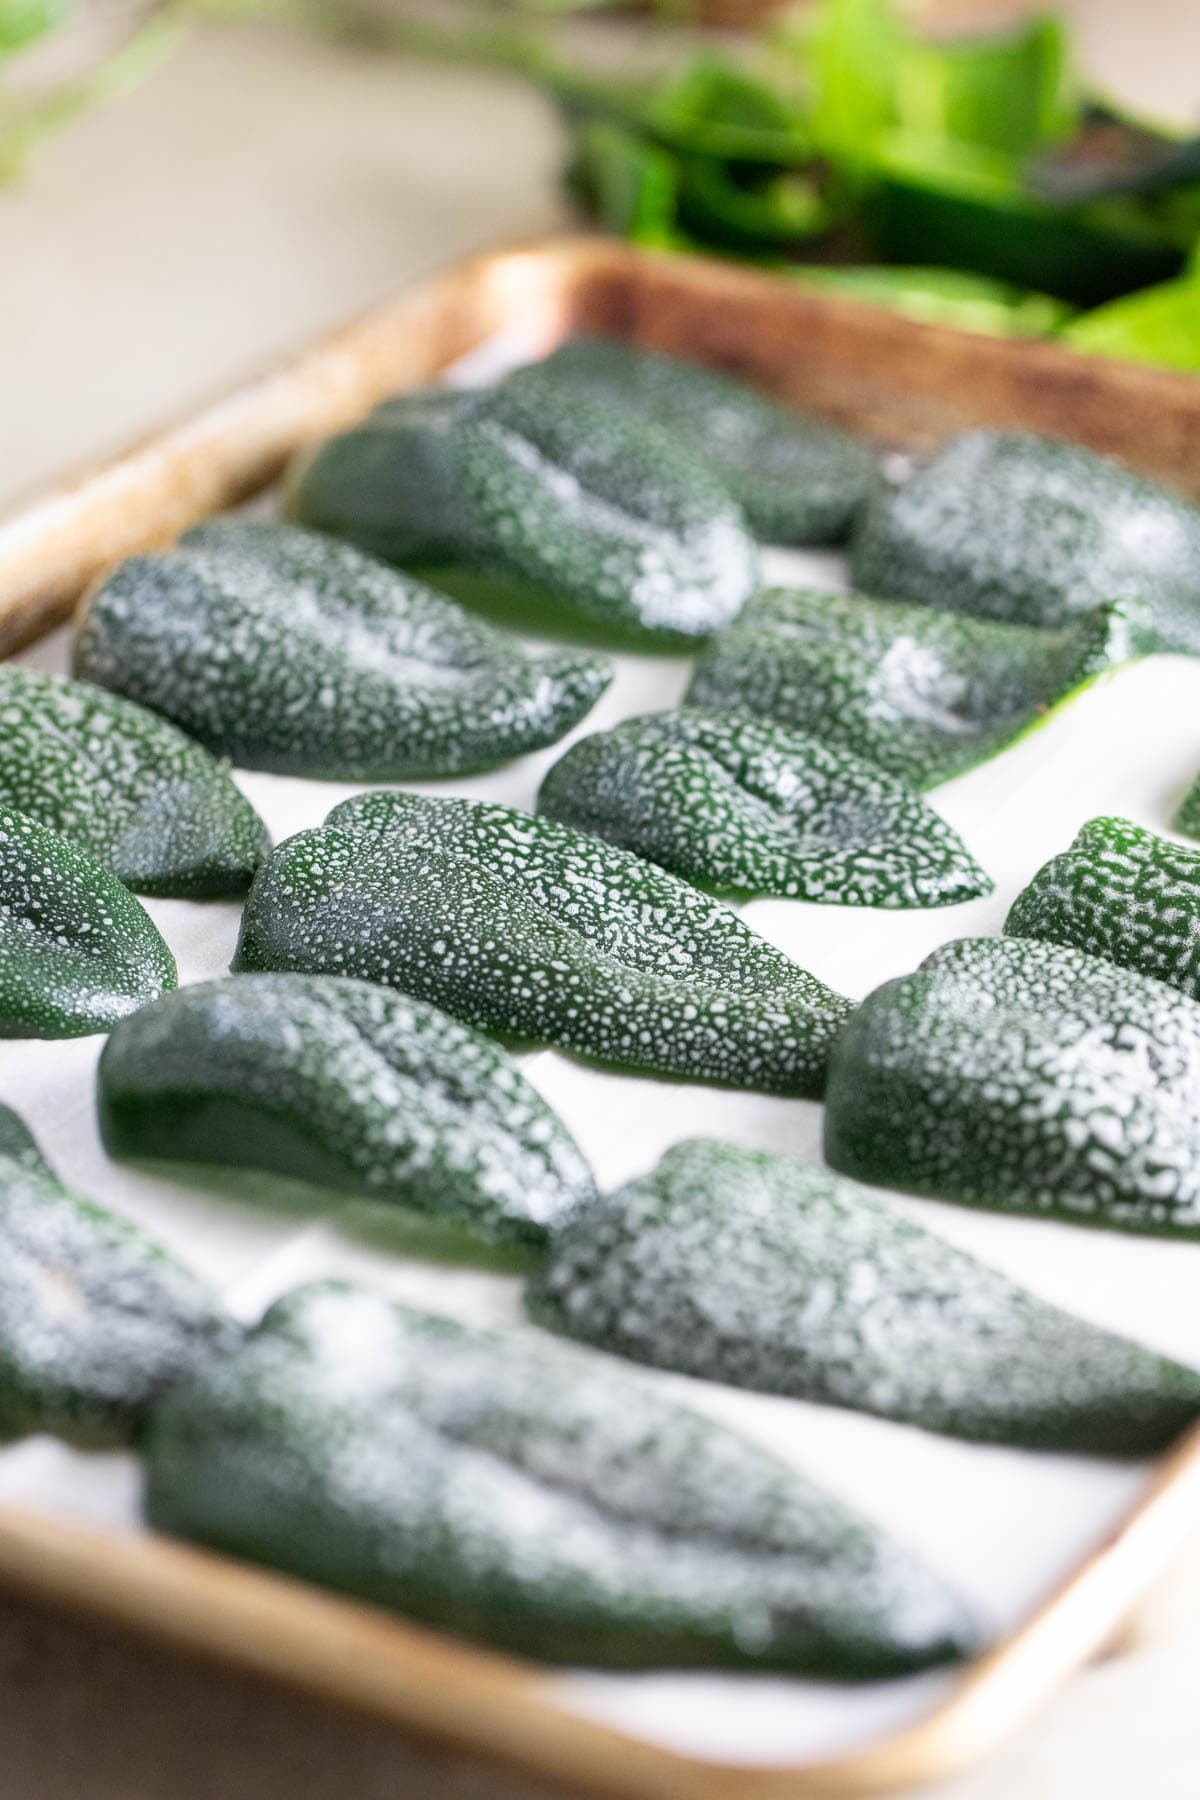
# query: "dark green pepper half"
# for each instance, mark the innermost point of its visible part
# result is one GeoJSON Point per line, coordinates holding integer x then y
{"type": "Point", "coordinates": [1022, 1076]}
{"type": "Point", "coordinates": [96, 1321]}
{"type": "Point", "coordinates": [1006, 526]}
{"type": "Point", "coordinates": [346, 1086]}
{"type": "Point", "coordinates": [745, 807]}
{"type": "Point", "coordinates": [1122, 893]}
{"type": "Point", "coordinates": [922, 693]}
{"type": "Point", "coordinates": [77, 951]}
{"type": "Point", "coordinates": [286, 651]}
{"type": "Point", "coordinates": [741, 1266]}
{"type": "Point", "coordinates": [540, 933]}
{"type": "Point", "coordinates": [798, 480]}
{"type": "Point", "coordinates": [125, 786]}
{"type": "Point", "coordinates": [532, 1494]}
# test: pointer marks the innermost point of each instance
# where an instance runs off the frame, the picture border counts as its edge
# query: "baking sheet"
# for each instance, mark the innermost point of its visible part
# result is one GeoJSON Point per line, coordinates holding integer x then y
{"type": "Point", "coordinates": [1004, 1525]}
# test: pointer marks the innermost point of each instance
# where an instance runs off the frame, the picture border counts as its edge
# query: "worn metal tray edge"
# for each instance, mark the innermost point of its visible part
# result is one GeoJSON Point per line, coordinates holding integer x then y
{"type": "Point", "coordinates": [905, 382]}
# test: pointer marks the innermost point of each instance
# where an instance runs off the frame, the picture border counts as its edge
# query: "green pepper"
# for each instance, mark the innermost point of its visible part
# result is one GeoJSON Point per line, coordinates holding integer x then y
{"type": "Point", "coordinates": [742, 1266]}
{"type": "Point", "coordinates": [125, 786]}
{"type": "Point", "coordinates": [1028, 1078]}
{"type": "Point", "coordinates": [539, 933]}
{"type": "Point", "coordinates": [746, 807]}
{"type": "Point", "coordinates": [938, 296]}
{"type": "Point", "coordinates": [1187, 819]}
{"type": "Point", "coordinates": [1160, 325]}
{"type": "Point", "coordinates": [935, 202]}
{"type": "Point", "coordinates": [797, 479]}
{"type": "Point", "coordinates": [594, 515]}
{"type": "Point", "coordinates": [924, 694]}
{"type": "Point", "coordinates": [531, 1494]}
{"type": "Point", "coordinates": [1122, 893]}
{"type": "Point", "coordinates": [77, 951]}
{"type": "Point", "coordinates": [286, 651]}
{"type": "Point", "coordinates": [348, 1087]}
{"type": "Point", "coordinates": [96, 1321]}
{"type": "Point", "coordinates": [1007, 526]}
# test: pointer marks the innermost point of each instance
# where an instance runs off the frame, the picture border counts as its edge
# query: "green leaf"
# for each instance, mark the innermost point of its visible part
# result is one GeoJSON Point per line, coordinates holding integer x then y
{"type": "Point", "coordinates": [741, 1266]}
{"type": "Point", "coordinates": [21, 21]}
{"type": "Point", "coordinates": [1007, 526]}
{"type": "Point", "coordinates": [77, 951]}
{"type": "Point", "coordinates": [125, 786]}
{"type": "Point", "coordinates": [935, 296]}
{"type": "Point", "coordinates": [1007, 91]}
{"type": "Point", "coordinates": [798, 480]}
{"type": "Point", "coordinates": [346, 1086]}
{"type": "Point", "coordinates": [540, 933]}
{"type": "Point", "coordinates": [719, 110]}
{"type": "Point", "coordinates": [286, 651]}
{"type": "Point", "coordinates": [531, 1494]}
{"type": "Point", "coordinates": [747, 806]}
{"type": "Point", "coordinates": [96, 1321]}
{"type": "Point", "coordinates": [1010, 92]}
{"type": "Point", "coordinates": [924, 694]}
{"type": "Point", "coordinates": [1159, 325]}
{"type": "Point", "coordinates": [1121, 893]}
{"type": "Point", "coordinates": [1027, 1078]}
{"type": "Point", "coordinates": [853, 48]}
{"type": "Point", "coordinates": [629, 185]}
{"type": "Point", "coordinates": [604, 518]}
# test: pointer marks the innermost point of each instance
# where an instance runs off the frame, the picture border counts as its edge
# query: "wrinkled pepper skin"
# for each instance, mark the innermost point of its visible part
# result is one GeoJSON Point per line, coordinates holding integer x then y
{"type": "Point", "coordinates": [1029, 531]}
{"type": "Point", "coordinates": [126, 786]}
{"type": "Point", "coordinates": [539, 933]}
{"type": "Point", "coordinates": [96, 1321]}
{"type": "Point", "coordinates": [349, 1087]}
{"type": "Point", "coordinates": [611, 521]}
{"type": "Point", "coordinates": [286, 651]}
{"type": "Point", "coordinates": [926, 695]}
{"type": "Point", "coordinates": [77, 951]}
{"type": "Point", "coordinates": [798, 480]}
{"type": "Point", "coordinates": [1028, 1078]}
{"type": "Point", "coordinates": [751, 1268]}
{"type": "Point", "coordinates": [747, 807]}
{"type": "Point", "coordinates": [531, 1494]}
{"type": "Point", "coordinates": [1121, 893]}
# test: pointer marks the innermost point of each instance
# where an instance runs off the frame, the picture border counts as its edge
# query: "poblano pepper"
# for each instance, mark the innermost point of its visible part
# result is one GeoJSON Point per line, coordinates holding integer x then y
{"type": "Point", "coordinates": [96, 1321]}
{"type": "Point", "coordinates": [741, 1266]}
{"type": "Point", "coordinates": [550, 500]}
{"type": "Point", "coordinates": [125, 786]}
{"type": "Point", "coordinates": [1121, 893]}
{"type": "Point", "coordinates": [532, 1494]}
{"type": "Point", "coordinates": [1007, 526]}
{"type": "Point", "coordinates": [286, 651]}
{"type": "Point", "coordinates": [924, 694]}
{"type": "Point", "coordinates": [755, 808]}
{"type": "Point", "coordinates": [540, 933]}
{"type": "Point", "coordinates": [1029, 1078]}
{"type": "Point", "coordinates": [798, 480]}
{"type": "Point", "coordinates": [346, 1086]}
{"type": "Point", "coordinates": [77, 951]}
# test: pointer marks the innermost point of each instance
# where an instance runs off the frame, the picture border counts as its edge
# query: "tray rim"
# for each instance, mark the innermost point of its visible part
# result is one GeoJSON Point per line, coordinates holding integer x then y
{"type": "Point", "coordinates": [466, 1697]}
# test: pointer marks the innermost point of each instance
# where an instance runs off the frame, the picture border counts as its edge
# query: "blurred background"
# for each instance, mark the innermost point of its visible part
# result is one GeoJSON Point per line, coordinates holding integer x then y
{"type": "Point", "coordinates": [190, 186]}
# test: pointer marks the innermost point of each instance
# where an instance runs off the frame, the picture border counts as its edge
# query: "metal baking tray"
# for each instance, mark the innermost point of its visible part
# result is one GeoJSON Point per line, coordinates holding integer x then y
{"type": "Point", "coordinates": [1057, 1552]}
